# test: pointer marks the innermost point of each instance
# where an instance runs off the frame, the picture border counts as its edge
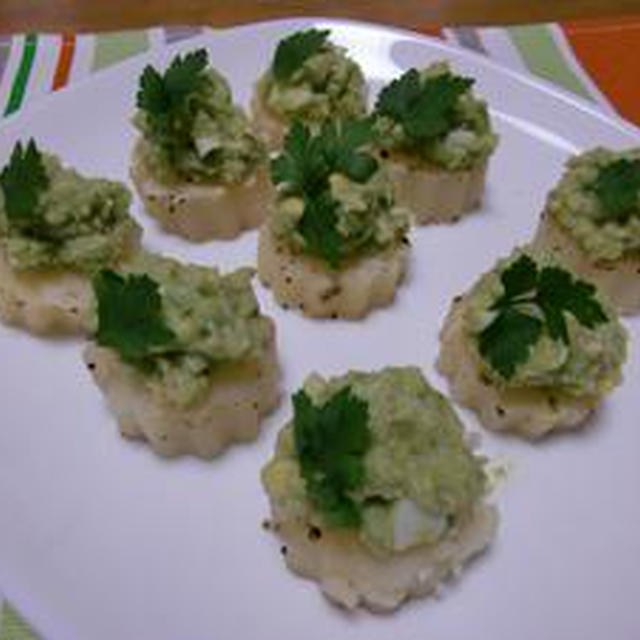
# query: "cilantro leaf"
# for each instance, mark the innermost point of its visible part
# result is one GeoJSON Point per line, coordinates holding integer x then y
{"type": "Point", "coordinates": [617, 187]}
{"type": "Point", "coordinates": [558, 288]}
{"type": "Point", "coordinates": [130, 316]}
{"type": "Point", "coordinates": [304, 168]}
{"type": "Point", "coordinates": [506, 342]}
{"type": "Point", "coordinates": [340, 144]}
{"type": "Point", "coordinates": [160, 94]}
{"type": "Point", "coordinates": [302, 165]}
{"type": "Point", "coordinates": [318, 227]}
{"type": "Point", "coordinates": [331, 441]}
{"type": "Point", "coordinates": [292, 52]}
{"type": "Point", "coordinates": [425, 108]}
{"type": "Point", "coordinates": [535, 303]}
{"type": "Point", "coordinates": [23, 180]}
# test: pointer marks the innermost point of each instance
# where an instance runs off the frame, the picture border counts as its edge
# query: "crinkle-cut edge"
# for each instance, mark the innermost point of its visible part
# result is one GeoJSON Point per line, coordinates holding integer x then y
{"type": "Point", "coordinates": [436, 195]}
{"type": "Point", "coordinates": [241, 394]}
{"type": "Point", "coordinates": [306, 283]}
{"type": "Point", "coordinates": [619, 279]}
{"type": "Point", "coordinates": [529, 412]}
{"type": "Point", "coordinates": [350, 575]}
{"type": "Point", "coordinates": [201, 212]}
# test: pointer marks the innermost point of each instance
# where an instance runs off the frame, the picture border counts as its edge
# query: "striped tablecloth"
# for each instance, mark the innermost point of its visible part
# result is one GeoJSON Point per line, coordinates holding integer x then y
{"type": "Point", "coordinates": [593, 59]}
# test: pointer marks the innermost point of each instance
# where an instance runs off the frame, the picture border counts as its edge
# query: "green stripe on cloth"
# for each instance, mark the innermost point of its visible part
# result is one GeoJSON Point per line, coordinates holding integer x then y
{"type": "Point", "coordinates": [13, 627]}
{"type": "Point", "coordinates": [543, 57]}
{"type": "Point", "coordinates": [111, 48]}
{"type": "Point", "coordinates": [18, 89]}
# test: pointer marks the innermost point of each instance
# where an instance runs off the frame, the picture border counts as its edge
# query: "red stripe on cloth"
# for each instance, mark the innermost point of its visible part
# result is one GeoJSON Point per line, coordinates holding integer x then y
{"type": "Point", "coordinates": [609, 51]}
{"type": "Point", "coordinates": [65, 59]}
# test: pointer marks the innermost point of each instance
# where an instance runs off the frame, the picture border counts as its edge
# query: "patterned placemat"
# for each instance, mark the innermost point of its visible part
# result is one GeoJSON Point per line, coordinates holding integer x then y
{"type": "Point", "coordinates": [587, 58]}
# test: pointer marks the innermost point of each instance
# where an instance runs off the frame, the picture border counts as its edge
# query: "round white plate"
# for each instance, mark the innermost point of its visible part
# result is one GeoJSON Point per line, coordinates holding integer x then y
{"type": "Point", "coordinates": [102, 540]}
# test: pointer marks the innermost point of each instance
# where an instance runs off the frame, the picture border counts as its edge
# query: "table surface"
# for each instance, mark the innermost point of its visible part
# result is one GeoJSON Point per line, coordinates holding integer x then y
{"type": "Point", "coordinates": [95, 15]}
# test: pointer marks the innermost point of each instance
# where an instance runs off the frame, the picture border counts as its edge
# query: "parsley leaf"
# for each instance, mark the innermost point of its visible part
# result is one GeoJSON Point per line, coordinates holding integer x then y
{"type": "Point", "coordinates": [506, 342]}
{"type": "Point", "coordinates": [318, 227]}
{"type": "Point", "coordinates": [304, 168]}
{"type": "Point", "coordinates": [292, 52]}
{"type": "Point", "coordinates": [23, 180]}
{"type": "Point", "coordinates": [130, 316]}
{"type": "Point", "coordinates": [534, 303]}
{"type": "Point", "coordinates": [340, 147]}
{"type": "Point", "coordinates": [302, 165]}
{"type": "Point", "coordinates": [617, 187]}
{"type": "Point", "coordinates": [160, 94]}
{"type": "Point", "coordinates": [425, 108]}
{"type": "Point", "coordinates": [331, 441]}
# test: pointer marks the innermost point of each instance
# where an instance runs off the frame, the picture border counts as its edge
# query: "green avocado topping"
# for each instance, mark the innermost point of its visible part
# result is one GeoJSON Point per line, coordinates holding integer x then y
{"type": "Point", "coordinates": [381, 456]}
{"type": "Point", "coordinates": [432, 117]}
{"type": "Point", "coordinates": [312, 80]}
{"type": "Point", "coordinates": [534, 302]}
{"type": "Point", "coordinates": [424, 108]}
{"type": "Point", "coordinates": [192, 128]}
{"type": "Point", "coordinates": [53, 218]}
{"type": "Point", "coordinates": [176, 323]}
{"type": "Point", "coordinates": [332, 201]}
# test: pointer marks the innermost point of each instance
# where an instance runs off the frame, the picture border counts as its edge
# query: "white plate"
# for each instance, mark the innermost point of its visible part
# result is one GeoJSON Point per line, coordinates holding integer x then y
{"type": "Point", "coordinates": [102, 540]}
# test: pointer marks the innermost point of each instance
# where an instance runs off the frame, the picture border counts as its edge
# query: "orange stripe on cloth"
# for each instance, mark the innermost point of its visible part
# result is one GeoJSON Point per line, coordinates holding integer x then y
{"type": "Point", "coordinates": [65, 59]}
{"type": "Point", "coordinates": [609, 51]}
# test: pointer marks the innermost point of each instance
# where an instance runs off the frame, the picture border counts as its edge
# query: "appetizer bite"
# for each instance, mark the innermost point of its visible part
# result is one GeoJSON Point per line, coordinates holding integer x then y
{"type": "Point", "coordinates": [437, 139]}
{"type": "Point", "coordinates": [373, 489]}
{"type": "Point", "coordinates": [592, 220]}
{"type": "Point", "coordinates": [531, 348]}
{"type": "Point", "coordinates": [198, 165]}
{"type": "Point", "coordinates": [310, 80]}
{"type": "Point", "coordinates": [335, 244]}
{"type": "Point", "coordinates": [56, 228]}
{"type": "Point", "coordinates": [183, 355]}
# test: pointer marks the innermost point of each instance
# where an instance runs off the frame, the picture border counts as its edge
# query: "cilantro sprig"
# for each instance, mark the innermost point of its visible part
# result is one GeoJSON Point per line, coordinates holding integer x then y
{"type": "Point", "coordinates": [331, 441]}
{"type": "Point", "coordinates": [130, 318]}
{"type": "Point", "coordinates": [292, 52]}
{"type": "Point", "coordinates": [425, 108]}
{"type": "Point", "coordinates": [535, 302]}
{"type": "Point", "coordinates": [23, 181]}
{"type": "Point", "coordinates": [303, 169]}
{"type": "Point", "coordinates": [617, 187]}
{"type": "Point", "coordinates": [161, 94]}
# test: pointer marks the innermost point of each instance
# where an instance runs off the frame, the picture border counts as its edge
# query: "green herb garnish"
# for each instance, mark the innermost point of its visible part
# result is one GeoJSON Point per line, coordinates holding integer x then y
{"type": "Point", "coordinates": [161, 94]}
{"type": "Point", "coordinates": [23, 180]}
{"type": "Point", "coordinates": [535, 302]}
{"type": "Point", "coordinates": [303, 169]}
{"type": "Point", "coordinates": [292, 52]}
{"type": "Point", "coordinates": [424, 107]}
{"type": "Point", "coordinates": [617, 187]}
{"type": "Point", "coordinates": [130, 318]}
{"type": "Point", "coordinates": [331, 441]}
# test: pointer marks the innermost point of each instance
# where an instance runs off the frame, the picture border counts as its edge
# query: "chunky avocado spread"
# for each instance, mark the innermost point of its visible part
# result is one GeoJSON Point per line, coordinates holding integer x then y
{"type": "Point", "coordinates": [597, 202]}
{"type": "Point", "coordinates": [432, 117]}
{"type": "Point", "coordinates": [71, 222]}
{"type": "Point", "coordinates": [333, 200]}
{"type": "Point", "coordinates": [193, 130]}
{"type": "Point", "coordinates": [417, 478]}
{"type": "Point", "coordinates": [177, 323]}
{"type": "Point", "coordinates": [536, 325]}
{"type": "Point", "coordinates": [312, 80]}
